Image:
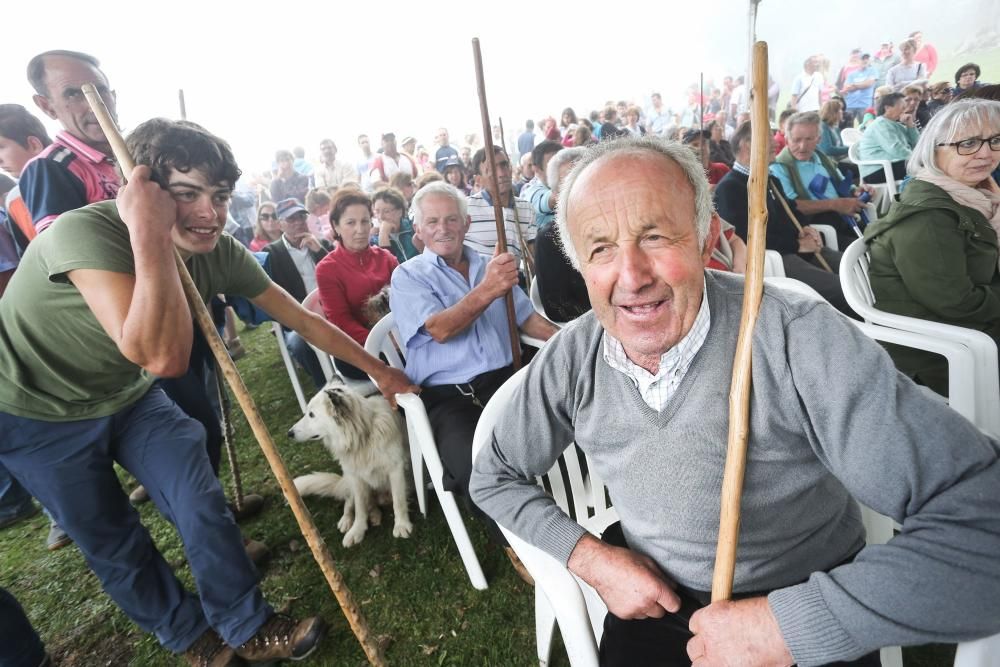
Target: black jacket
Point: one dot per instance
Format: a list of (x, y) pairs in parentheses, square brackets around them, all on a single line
[(731, 196), (283, 270)]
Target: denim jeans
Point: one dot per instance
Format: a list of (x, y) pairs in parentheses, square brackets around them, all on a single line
[(20, 645)]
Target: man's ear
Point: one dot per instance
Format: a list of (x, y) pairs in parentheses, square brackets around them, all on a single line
[(43, 103), (711, 239)]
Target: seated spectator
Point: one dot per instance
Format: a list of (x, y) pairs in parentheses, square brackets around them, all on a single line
[(450, 311), (428, 176), (583, 136), (354, 272), (940, 95), (908, 70), (454, 175), (808, 176), (916, 104), (891, 137), (331, 172), (797, 250), (536, 191), (632, 115), (560, 286), (395, 231), (730, 251), (719, 148), (697, 140), (288, 183), (567, 119), (831, 114), (934, 256), (22, 137), (519, 218), (967, 78), (266, 230), (403, 183), (780, 138), (293, 261), (318, 205), (986, 92)]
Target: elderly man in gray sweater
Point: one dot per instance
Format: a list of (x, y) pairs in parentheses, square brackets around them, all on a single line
[(641, 385)]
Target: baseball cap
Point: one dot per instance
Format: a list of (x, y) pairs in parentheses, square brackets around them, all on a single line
[(289, 207)]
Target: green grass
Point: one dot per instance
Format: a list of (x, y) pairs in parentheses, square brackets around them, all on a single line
[(414, 592)]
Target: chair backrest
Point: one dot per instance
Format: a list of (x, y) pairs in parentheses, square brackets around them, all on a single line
[(536, 299), (850, 135), (384, 340), (773, 266), (854, 279), (312, 303)]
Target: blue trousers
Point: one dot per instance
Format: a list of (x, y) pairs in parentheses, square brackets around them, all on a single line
[(68, 467), (300, 351), (20, 645), (14, 500)]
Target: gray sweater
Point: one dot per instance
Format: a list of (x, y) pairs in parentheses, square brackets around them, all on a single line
[(821, 432)]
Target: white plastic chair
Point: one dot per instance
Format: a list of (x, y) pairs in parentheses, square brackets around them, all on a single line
[(973, 387), (850, 135), (773, 266), (560, 596), (384, 340), (886, 191), (536, 299), (829, 235), (330, 371)]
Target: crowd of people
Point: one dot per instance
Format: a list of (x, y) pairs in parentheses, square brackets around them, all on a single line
[(611, 218)]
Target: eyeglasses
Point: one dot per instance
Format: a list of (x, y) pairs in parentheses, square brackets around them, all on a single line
[(971, 146), (268, 216)]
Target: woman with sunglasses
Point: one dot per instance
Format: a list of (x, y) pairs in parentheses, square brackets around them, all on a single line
[(266, 229), (935, 255)]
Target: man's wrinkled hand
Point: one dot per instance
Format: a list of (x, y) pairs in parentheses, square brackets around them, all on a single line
[(501, 274), (737, 634)]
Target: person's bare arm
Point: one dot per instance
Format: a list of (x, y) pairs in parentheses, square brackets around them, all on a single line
[(281, 306), (537, 326), (631, 585), (146, 315), (501, 276)]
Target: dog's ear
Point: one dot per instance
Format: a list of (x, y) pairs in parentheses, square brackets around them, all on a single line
[(331, 394)]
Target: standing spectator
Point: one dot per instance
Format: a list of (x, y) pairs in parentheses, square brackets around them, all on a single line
[(926, 53), (966, 78), (301, 164), (537, 190), (907, 70), (333, 173), (858, 89), (364, 165), (657, 117), (445, 150), (266, 230), (806, 88), (526, 141), (288, 183), (853, 63), (353, 272), (891, 137), (77, 168), (739, 101), (390, 161), (885, 60), (22, 137), (566, 120), (773, 93)]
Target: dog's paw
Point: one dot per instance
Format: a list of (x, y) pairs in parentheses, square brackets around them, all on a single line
[(375, 517), (345, 523), (353, 536), (402, 529)]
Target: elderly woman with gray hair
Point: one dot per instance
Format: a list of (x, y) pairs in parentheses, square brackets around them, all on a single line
[(935, 255)]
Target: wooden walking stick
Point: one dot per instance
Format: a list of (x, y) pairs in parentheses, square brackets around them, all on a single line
[(201, 315), (739, 391), (228, 437), (515, 341), (791, 216)]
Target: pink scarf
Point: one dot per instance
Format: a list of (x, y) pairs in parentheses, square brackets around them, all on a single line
[(986, 200)]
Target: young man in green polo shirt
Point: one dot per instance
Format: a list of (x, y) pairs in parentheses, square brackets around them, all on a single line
[(94, 315)]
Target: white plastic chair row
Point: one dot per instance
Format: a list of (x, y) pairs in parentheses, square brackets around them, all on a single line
[(850, 135)]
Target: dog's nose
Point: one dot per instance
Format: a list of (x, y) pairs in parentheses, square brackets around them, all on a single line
[(290, 433)]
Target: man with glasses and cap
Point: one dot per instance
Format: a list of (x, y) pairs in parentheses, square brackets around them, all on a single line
[(293, 266)]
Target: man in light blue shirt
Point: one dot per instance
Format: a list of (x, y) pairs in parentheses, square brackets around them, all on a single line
[(537, 191), (452, 319), (859, 88)]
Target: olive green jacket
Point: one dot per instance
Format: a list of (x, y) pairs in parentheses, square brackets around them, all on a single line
[(934, 259)]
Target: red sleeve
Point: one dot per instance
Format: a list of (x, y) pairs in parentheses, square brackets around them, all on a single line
[(333, 298)]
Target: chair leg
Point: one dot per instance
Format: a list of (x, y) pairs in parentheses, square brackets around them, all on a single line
[(417, 468), (545, 621), (461, 537), (891, 656)]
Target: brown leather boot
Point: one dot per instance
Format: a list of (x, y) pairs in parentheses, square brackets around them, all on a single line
[(210, 651), (282, 637)]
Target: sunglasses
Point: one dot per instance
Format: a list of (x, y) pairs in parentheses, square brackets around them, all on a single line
[(268, 216)]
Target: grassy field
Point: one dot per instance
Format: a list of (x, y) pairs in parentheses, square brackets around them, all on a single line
[(414, 592)]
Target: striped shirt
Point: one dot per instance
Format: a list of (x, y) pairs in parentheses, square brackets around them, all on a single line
[(426, 285), (657, 389), (65, 176), (482, 234)]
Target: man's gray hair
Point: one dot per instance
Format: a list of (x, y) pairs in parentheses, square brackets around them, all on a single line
[(959, 120), (803, 118), (672, 151), (558, 160), (438, 188)]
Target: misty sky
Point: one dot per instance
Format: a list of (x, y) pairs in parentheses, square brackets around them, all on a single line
[(287, 73)]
